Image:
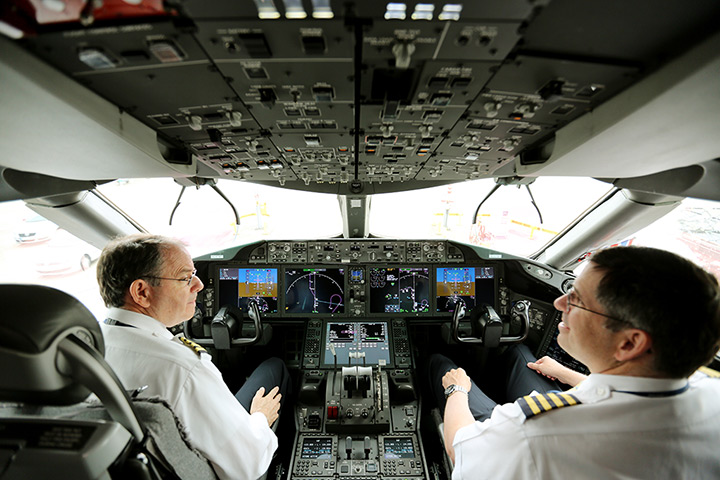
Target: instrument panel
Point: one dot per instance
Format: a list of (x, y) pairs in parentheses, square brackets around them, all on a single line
[(354, 285), (356, 278), (353, 290)]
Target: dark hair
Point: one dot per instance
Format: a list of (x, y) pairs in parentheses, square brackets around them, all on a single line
[(671, 298), (125, 259)]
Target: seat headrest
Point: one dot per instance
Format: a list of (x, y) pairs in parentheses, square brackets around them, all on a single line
[(35, 319)]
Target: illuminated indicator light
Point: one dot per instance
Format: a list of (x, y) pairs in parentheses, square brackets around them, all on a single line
[(294, 10), (450, 11), (289, 149), (266, 9), (423, 11), (395, 11), (321, 9), (96, 59), (166, 51)]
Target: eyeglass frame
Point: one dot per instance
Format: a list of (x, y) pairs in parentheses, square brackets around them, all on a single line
[(569, 304), (187, 280)]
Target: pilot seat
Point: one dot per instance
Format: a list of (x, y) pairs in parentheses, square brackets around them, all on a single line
[(51, 352)]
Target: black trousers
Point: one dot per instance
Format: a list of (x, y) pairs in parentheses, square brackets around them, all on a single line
[(269, 374), (510, 370)]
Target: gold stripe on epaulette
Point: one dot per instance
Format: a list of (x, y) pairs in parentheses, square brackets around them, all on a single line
[(709, 372), (532, 405), (194, 346)]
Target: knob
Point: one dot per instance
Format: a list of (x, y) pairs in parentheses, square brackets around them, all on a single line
[(349, 413)]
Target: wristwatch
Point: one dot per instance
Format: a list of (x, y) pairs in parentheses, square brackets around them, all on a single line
[(454, 388)]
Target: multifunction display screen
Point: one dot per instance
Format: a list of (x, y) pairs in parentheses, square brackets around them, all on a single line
[(317, 448), (356, 343), (315, 290), (237, 286), (399, 447), (399, 290), (474, 285)]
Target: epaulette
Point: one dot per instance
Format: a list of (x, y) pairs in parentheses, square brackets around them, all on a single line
[(194, 346), (532, 405), (709, 372)]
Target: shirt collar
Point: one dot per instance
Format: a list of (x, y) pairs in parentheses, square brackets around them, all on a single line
[(635, 384), (138, 320)]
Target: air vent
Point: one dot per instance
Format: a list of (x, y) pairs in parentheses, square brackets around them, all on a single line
[(313, 44), (255, 44)]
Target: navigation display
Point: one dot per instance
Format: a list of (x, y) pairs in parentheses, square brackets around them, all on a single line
[(237, 286), (474, 285), (356, 343), (399, 290), (315, 290)]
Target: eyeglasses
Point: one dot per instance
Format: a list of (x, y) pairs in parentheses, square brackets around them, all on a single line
[(187, 279), (569, 305)]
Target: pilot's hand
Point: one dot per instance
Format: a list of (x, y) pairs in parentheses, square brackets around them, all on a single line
[(547, 366), (553, 370), (457, 376), (268, 405)]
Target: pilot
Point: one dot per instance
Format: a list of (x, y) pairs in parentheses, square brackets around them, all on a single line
[(148, 283), (643, 321)]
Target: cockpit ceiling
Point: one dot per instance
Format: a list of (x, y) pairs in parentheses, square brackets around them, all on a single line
[(363, 97)]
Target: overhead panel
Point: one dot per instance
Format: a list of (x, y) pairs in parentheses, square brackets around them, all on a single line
[(396, 95)]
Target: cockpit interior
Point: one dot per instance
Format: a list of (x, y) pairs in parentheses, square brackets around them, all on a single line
[(354, 99)]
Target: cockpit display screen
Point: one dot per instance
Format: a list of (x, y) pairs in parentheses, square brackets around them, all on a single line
[(399, 290), (237, 286), (399, 447), (317, 448), (356, 343), (315, 290), (474, 285)]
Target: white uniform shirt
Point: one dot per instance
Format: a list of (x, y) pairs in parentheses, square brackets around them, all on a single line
[(238, 445), (610, 435)]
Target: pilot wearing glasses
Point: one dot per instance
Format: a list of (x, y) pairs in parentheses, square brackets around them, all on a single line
[(643, 321), (148, 283)]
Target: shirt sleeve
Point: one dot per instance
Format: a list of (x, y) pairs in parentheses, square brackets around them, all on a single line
[(494, 449), (239, 445)]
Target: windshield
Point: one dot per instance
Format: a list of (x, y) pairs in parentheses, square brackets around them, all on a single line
[(509, 220), (35, 250), (205, 222)]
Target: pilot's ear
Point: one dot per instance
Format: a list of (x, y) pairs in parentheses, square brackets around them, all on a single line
[(633, 343), (140, 292)]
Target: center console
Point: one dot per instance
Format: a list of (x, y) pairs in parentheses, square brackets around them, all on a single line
[(357, 408)]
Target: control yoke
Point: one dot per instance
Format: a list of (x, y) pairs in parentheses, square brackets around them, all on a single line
[(226, 327), (486, 326)]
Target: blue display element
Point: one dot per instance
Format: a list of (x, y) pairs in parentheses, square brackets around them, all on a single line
[(238, 286), (473, 285)]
